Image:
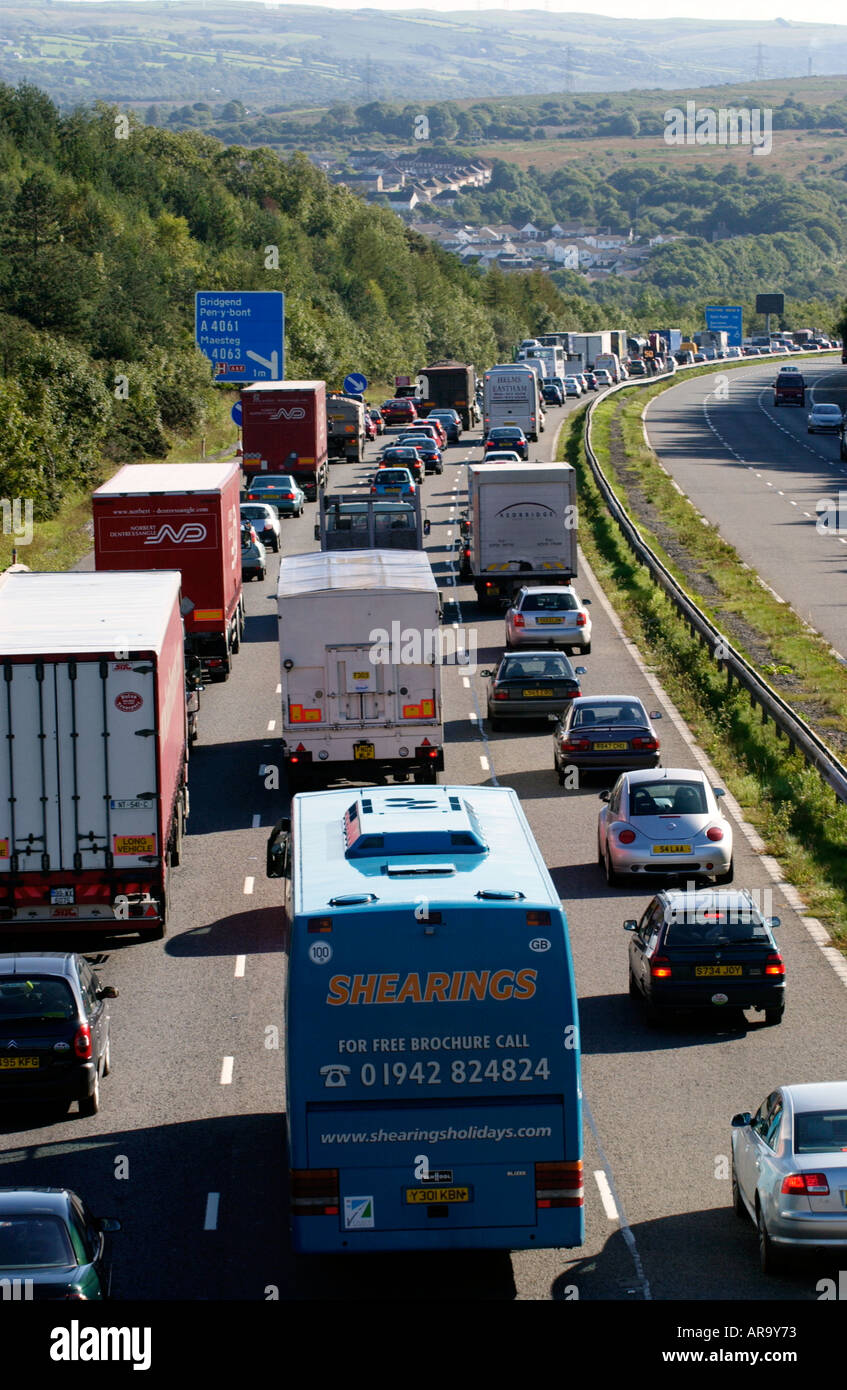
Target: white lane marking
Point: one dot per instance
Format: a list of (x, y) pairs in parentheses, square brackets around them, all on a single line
[(466, 683), (271, 725), (248, 884), (606, 1194), (226, 1071), (240, 966), (473, 716), (257, 820), (279, 690), (210, 1221), (626, 1229), (483, 762)]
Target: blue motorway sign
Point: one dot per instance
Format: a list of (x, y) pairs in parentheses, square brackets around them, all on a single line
[(242, 333), (726, 318), (354, 384), (236, 413)]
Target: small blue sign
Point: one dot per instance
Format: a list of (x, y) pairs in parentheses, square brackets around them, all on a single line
[(242, 333), (726, 318), (236, 413), (354, 384)]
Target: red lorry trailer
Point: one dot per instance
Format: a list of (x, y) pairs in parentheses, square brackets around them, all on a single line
[(181, 516), (283, 430), (93, 750)]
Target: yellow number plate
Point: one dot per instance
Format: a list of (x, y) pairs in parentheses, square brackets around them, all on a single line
[(530, 694), (549, 620), (19, 1063), (420, 1196), (671, 849), (608, 747), (364, 750), (717, 970)]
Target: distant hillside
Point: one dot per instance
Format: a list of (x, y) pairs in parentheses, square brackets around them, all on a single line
[(297, 54)]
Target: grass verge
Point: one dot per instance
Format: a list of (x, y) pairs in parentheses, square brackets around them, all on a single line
[(59, 543), (800, 820)]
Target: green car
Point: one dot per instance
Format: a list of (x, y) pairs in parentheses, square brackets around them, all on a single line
[(51, 1244)]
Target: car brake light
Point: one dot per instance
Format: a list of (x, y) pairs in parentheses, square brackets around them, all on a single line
[(519, 620), (289, 496), (500, 695), (660, 968), (575, 745), (714, 832), (559, 1184), (626, 837), (82, 1042), (774, 964), (648, 744), (813, 1184), (581, 619)]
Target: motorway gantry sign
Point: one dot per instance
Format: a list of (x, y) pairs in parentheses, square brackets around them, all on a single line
[(726, 318), (242, 333)]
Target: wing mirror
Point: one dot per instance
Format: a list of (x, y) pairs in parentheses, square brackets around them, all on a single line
[(279, 844), (742, 1120)]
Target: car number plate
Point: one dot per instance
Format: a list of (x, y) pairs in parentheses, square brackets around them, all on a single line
[(671, 849), (62, 897), (18, 1063), (609, 747), (710, 970), (557, 621), (534, 692), (364, 750), (426, 1196)]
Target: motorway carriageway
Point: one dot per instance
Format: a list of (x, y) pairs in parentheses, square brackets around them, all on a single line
[(188, 1149)]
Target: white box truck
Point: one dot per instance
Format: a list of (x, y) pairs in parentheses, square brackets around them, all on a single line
[(360, 644), (523, 527), (94, 760), (590, 345), (512, 396)]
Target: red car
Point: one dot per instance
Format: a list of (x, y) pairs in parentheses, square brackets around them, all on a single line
[(400, 411)]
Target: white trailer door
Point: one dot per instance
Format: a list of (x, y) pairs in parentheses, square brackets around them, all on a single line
[(359, 686), (80, 765)]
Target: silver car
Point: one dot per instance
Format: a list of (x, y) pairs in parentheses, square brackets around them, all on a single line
[(825, 417), (789, 1170), (551, 614), (664, 820)]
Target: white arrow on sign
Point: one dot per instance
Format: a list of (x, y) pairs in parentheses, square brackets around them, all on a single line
[(272, 362)]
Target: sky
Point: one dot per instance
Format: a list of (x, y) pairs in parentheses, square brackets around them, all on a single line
[(762, 11)]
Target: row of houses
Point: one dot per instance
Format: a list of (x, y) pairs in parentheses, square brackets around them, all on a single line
[(409, 183)]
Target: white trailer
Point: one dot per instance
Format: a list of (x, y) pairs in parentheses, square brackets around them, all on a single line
[(590, 345), (523, 522), (512, 396), (360, 642), (93, 768)]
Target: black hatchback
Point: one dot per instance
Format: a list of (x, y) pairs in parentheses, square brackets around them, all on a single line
[(709, 949), (54, 1029)]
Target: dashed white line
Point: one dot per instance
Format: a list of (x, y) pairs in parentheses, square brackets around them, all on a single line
[(249, 883), (226, 1071), (606, 1197), (279, 690), (210, 1221), (483, 762), (271, 725), (466, 683), (240, 966)]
